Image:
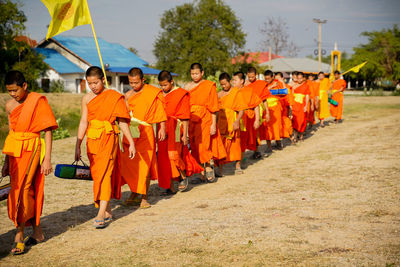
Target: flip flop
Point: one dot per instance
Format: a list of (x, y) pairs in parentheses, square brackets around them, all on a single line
[(18, 246), (132, 202), (108, 219), (145, 206), (239, 171), (183, 185), (210, 176), (99, 226), (256, 155)]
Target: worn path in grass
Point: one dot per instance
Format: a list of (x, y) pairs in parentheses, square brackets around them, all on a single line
[(330, 200)]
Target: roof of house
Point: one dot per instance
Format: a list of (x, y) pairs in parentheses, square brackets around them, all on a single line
[(257, 57), (58, 62), (113, 54), (296, 64)]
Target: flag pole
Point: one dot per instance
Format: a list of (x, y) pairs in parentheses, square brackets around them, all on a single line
[(98, 49)]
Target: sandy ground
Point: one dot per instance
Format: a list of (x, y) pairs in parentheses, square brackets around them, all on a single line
[(333, 199)]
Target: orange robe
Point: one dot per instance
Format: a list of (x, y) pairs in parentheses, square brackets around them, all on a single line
[(299, 116), (102, 142), (23, 146), (286, 103), (337, 111), (147, 106), (230, 104), (204, 102), (274, 125), (250, 136), (169, 153), (314, 87), (323, 109)]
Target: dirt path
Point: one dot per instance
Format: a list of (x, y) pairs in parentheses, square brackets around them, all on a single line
[(332, 200)]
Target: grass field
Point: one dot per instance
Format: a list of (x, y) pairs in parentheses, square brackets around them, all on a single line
[(332, 200)]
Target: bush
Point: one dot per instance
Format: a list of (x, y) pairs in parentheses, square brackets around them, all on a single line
[(60, 132), (57, 86)]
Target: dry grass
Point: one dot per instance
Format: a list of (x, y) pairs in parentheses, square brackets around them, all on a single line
[(330, 200)]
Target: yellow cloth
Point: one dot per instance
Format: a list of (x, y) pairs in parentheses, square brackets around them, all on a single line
[(135, 126), (272, 102), (97, 127), (66, 14), (299, 98), (16, 141)]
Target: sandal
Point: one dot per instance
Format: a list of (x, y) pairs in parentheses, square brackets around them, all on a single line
[(239, 171), (19, 248), (256, 155), (210, 176), (145, 206), (132, 202), (99, 226), (108, 219), (183, 184)]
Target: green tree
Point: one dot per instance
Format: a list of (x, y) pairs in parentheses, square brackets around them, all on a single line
[(382, 51), (206, 31), (13, 54)]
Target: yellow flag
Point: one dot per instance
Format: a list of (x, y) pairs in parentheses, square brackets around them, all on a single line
[(356, 68), (66, 14)]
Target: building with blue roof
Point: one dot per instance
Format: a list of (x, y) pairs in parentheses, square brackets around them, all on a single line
[(69, 58)]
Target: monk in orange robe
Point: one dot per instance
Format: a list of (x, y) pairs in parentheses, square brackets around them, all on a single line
[(322, 104), (204, 137), (286, 103), (28, 115), (301, 96), (233, 101), (313, 86), (253, 135), (169, 154), (274, 125), (146, 105), (101, 109), (338, 87)]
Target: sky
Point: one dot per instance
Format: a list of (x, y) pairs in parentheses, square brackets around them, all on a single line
[(136, 24)]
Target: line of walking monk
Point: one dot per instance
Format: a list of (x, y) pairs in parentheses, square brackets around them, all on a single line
[(167, 134)]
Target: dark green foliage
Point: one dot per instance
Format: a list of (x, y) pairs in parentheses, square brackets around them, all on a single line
[(206, 31)]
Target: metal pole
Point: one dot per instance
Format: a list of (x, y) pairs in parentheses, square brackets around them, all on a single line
[(320, 22)]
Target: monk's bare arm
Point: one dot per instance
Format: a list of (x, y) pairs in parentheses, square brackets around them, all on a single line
[(185, 135), (123, 125), (266, 111), (83, 124), (161, 132), (257, 117), (236, 124), (306, 106), (213, 129), (46, 168)]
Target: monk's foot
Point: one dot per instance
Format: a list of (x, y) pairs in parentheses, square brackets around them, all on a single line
[(18, 248), (144, 204), (210, 175), (99, 223), (108, 217), (183, 184), (238, 171), (133, 200), (256, 155)]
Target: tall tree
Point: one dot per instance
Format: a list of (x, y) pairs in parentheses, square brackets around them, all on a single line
[(13, 54), (276, 36), (382, 53), (206, 31)]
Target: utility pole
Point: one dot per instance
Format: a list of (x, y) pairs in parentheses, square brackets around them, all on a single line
[(320, 22)]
